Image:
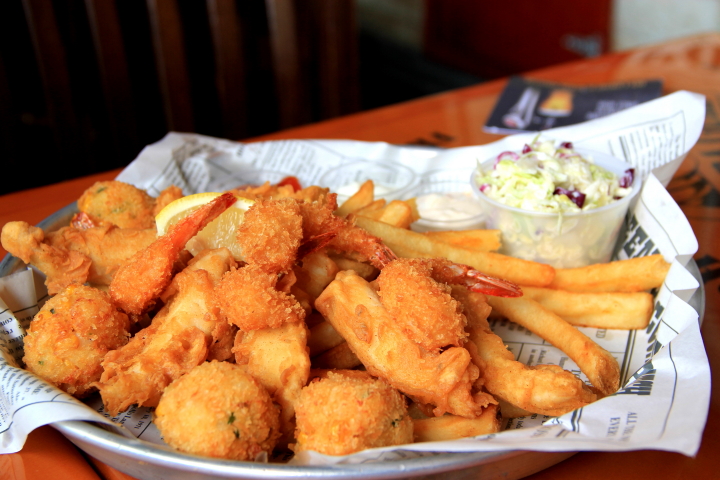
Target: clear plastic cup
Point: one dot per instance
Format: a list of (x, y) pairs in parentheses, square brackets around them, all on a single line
[(447, 202), (563, 240)]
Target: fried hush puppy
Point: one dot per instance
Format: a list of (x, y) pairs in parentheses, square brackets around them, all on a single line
[(70, 335), (118, 203), (124, 205), (217, 410), (342, 414)]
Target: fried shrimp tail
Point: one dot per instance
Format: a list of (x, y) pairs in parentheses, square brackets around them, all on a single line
[(138, 283)]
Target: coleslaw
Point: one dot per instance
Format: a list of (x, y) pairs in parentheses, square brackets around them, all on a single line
[(546, 178)]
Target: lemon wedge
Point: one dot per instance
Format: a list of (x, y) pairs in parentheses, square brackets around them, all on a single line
[(221, 232)]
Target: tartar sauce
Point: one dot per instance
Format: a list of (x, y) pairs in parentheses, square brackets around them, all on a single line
[(448, 206)]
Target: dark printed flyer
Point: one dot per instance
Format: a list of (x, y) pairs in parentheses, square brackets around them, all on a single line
[(531, 105)]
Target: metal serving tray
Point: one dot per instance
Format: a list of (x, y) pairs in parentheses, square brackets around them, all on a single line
[(149, 461)]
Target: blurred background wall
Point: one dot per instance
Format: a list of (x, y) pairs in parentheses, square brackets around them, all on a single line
[(405, 49)]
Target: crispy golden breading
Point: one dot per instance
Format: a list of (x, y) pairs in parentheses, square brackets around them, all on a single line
[(278, 358), (422, 307), (167, 196), (343, 414), (270, 234), (249, 299), (217, 410), (70, 336), (139, 282)]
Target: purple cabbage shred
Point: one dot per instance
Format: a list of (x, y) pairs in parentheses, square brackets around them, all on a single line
[(502, 156), (626, 180), (578, 198)]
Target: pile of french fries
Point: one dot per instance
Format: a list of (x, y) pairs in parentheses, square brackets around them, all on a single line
[(612, 295)]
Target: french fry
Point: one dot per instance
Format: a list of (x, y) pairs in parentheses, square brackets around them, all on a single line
[(595, 362), (322, 338), (362, 198), (632, 275), (522, 272), (397, 213), (372, 209), (623, 310), (365, 270), (413, 207), (340, 357), (316, 272), (479, 239), (451, 427)]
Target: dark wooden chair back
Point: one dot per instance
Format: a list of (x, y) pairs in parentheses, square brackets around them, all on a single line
[(116, 75)]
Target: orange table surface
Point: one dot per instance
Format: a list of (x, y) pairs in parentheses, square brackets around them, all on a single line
[(455, 119)]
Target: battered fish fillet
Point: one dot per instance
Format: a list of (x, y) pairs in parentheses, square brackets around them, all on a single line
[(342, 414), (598, 365), (178, 339), (445, 380), (217, 410), (278, 358), (422, 307), (72, 255), (544, 389), (70, 336)]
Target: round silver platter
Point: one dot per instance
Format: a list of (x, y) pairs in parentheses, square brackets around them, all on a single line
[(149, 461)]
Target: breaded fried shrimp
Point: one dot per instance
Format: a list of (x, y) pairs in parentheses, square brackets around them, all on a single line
[(422, 307), (70, 336), (217, 410), (443, 379), (249, 299), (138, 283), (343, 414), (270, 234)]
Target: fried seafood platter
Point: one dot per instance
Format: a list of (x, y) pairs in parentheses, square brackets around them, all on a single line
[(269, 320)]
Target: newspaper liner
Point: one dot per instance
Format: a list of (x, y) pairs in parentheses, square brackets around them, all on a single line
[(664, 400)]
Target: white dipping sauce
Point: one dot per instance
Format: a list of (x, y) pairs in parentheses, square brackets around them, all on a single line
[(448, 206)]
